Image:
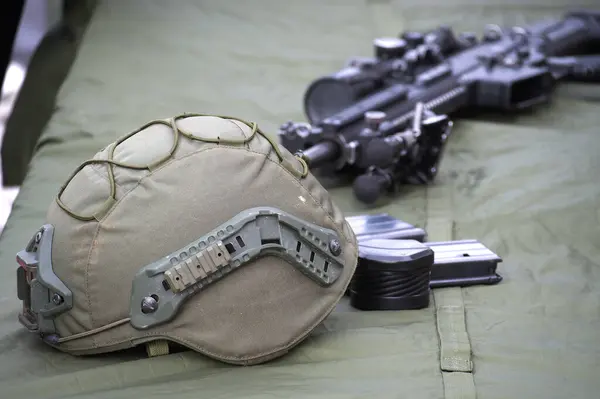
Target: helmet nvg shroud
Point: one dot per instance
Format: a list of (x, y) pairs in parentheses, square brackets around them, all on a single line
[(197, 230)]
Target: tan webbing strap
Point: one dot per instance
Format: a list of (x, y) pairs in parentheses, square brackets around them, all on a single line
[(459, 385), (455, 347)]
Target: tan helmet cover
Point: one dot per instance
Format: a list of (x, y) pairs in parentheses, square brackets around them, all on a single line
[(167, 184)]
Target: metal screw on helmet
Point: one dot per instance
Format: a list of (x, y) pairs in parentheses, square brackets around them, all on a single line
[(149, 305), (335, 247), (38, 237), (57, 299)]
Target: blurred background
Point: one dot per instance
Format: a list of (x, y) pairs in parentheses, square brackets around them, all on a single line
[(25, 26)]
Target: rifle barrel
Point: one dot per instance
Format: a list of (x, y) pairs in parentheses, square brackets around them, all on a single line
[(321, 153)]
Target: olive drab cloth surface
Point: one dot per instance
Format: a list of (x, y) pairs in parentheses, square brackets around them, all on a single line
[(527, 186)]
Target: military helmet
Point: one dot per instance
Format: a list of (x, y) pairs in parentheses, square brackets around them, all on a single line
[(197, 230)]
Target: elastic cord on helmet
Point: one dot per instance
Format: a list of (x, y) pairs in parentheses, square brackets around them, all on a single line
[(172, 123), (93, 331)]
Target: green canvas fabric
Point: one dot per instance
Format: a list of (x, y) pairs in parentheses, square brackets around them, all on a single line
[(527, 186)]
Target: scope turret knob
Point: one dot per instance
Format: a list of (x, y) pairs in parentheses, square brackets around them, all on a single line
[(389, 47), (413, 38), (519, 32), (492, 33), (374, 118)]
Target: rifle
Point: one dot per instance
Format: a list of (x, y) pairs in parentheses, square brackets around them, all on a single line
[(383, 120)]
